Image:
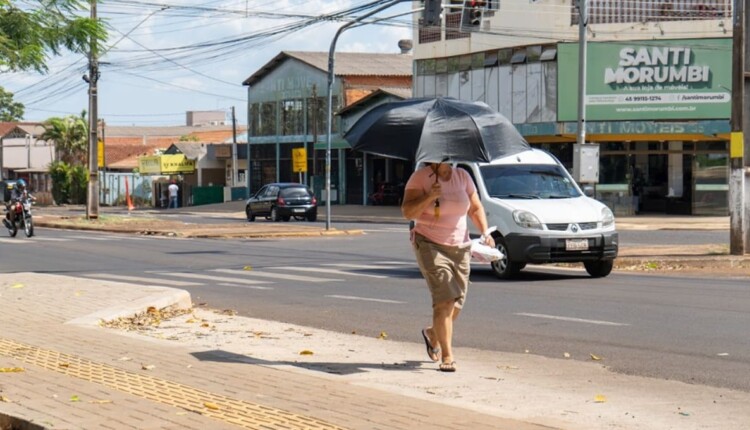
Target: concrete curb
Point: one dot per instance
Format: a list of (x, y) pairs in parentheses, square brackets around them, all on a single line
[(168, 297)]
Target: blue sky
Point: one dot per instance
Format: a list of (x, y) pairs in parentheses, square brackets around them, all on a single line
[(168, 57)]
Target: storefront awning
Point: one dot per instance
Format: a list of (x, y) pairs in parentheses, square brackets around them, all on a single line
[(335, 144), (167, 164)]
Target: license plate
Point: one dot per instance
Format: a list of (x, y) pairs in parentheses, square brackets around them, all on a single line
[(298, 210), (576, 244)]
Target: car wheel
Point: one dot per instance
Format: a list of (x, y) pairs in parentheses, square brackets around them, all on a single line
[(312, 217), (274, 215), (504, 268), (599, 269), (250, 214)]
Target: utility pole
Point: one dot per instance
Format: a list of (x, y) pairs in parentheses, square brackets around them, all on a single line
[(583, 22), (92, 202), (738, 217), (234, 149)]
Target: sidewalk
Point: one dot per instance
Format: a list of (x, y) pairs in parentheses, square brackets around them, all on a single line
[(208, 370)]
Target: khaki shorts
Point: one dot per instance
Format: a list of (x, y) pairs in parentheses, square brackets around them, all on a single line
[(445, 268)]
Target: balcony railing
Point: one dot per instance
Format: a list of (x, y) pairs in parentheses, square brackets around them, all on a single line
[(626, 11)]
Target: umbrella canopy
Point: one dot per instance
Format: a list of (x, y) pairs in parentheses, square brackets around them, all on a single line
[(435, 130)]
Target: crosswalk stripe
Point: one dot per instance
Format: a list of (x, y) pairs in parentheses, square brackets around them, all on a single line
[(284, 276), (213, 278), (367, 299), (141, 280), (334, 271), (364, 266), (252, 287)]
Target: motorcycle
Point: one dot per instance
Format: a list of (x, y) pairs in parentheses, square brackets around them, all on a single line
[(23, 218)]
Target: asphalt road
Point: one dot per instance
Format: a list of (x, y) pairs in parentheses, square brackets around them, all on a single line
[(693, 330)]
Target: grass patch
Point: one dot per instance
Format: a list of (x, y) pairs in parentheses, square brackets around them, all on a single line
[(106, 220)]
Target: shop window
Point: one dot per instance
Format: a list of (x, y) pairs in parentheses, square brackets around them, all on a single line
[(548, 54), (254, 119), (490, 59), (533, 54), (477, 60), (519, 57), (291, 117), (441, 65), (504, 56), (464, 63), (267, 119)]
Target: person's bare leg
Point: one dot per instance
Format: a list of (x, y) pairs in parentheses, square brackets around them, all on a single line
[(432, 335), (442, 324)]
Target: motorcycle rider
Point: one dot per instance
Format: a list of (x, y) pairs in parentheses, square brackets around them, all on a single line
[(17, 195)]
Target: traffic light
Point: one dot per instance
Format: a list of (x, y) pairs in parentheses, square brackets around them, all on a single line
[(472, 13), (432, 10)]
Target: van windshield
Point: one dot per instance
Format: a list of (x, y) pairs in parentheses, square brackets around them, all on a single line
[(528, 181)]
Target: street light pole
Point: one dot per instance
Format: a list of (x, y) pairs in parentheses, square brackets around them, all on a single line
[(331, 53), (583, 22)]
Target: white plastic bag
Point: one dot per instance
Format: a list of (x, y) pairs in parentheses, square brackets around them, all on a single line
[(483, 253)]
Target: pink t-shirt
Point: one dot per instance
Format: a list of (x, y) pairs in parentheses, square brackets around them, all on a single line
[(450, 228)]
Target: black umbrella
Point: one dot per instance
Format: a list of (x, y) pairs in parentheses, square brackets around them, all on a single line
[(434, 130)]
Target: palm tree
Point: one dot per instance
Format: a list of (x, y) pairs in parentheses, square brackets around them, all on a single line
[(70, 135)]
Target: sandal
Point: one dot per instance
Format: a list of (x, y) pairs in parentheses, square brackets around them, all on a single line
[(448, 366), (433, 353)]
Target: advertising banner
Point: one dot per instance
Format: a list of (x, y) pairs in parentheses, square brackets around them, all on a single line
[(165, 164), (648, 80)]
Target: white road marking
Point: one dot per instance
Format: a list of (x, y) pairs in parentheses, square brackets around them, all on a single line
[(284, 276), (554, 317), (251, 287), (334, 271), (364, 266), (144, 281), (49, 239), (88, 238), (367, 299), (213, 278), (17, 240)]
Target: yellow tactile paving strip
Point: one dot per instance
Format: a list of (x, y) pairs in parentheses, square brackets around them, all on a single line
[(244, 414)]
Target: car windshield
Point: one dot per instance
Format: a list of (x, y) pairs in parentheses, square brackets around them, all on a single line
[(294, 192), (528, 181)]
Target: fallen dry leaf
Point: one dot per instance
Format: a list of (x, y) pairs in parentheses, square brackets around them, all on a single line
[(11, 369), (212, 406), (148, 366), (247, 268), (65, 365), (17, 286), (306, 352), (383, 335), (124, 359), (4, 399), (100, 402), (75, 398), (205, 325), (600, 398), (595, 357), (566, 354)]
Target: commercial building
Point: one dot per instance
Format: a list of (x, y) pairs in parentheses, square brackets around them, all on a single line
[(658, 89)]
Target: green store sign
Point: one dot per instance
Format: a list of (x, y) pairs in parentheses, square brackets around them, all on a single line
[(648, 80)]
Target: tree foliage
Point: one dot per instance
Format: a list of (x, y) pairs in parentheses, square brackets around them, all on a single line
[(10, 110), (71, 135), (33, 30)]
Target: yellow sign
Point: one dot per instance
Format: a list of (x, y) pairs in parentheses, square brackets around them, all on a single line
[(299, 160), (165, 164), (736, 145), (100, 153)]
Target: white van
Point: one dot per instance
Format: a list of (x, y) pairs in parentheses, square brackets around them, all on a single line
[(542, 216)]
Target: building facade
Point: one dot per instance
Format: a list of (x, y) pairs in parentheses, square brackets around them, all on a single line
[(658, 88), (288, 110)]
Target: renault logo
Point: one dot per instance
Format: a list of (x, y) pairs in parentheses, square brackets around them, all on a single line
[(574, 228)]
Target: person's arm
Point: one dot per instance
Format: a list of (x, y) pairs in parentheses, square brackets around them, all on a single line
[(479, 218), (417, 201)]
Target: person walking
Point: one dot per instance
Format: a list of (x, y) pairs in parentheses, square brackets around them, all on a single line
[(173, 191), (440, 198)]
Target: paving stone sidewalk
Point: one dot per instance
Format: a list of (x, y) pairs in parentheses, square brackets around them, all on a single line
[(73, 374)]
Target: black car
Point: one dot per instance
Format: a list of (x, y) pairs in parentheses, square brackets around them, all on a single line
[(282, 201)]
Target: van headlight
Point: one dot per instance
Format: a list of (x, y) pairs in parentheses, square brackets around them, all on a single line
[(527, 219), (608, 218)]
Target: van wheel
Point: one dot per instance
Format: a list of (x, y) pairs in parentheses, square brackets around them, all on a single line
[(504, 268), (599, 269)]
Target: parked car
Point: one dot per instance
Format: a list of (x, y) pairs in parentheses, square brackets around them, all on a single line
[(542, 216), (282, 201)]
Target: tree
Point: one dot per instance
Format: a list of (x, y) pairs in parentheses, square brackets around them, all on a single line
[(71, 135), (32, 30), (9, 110)]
